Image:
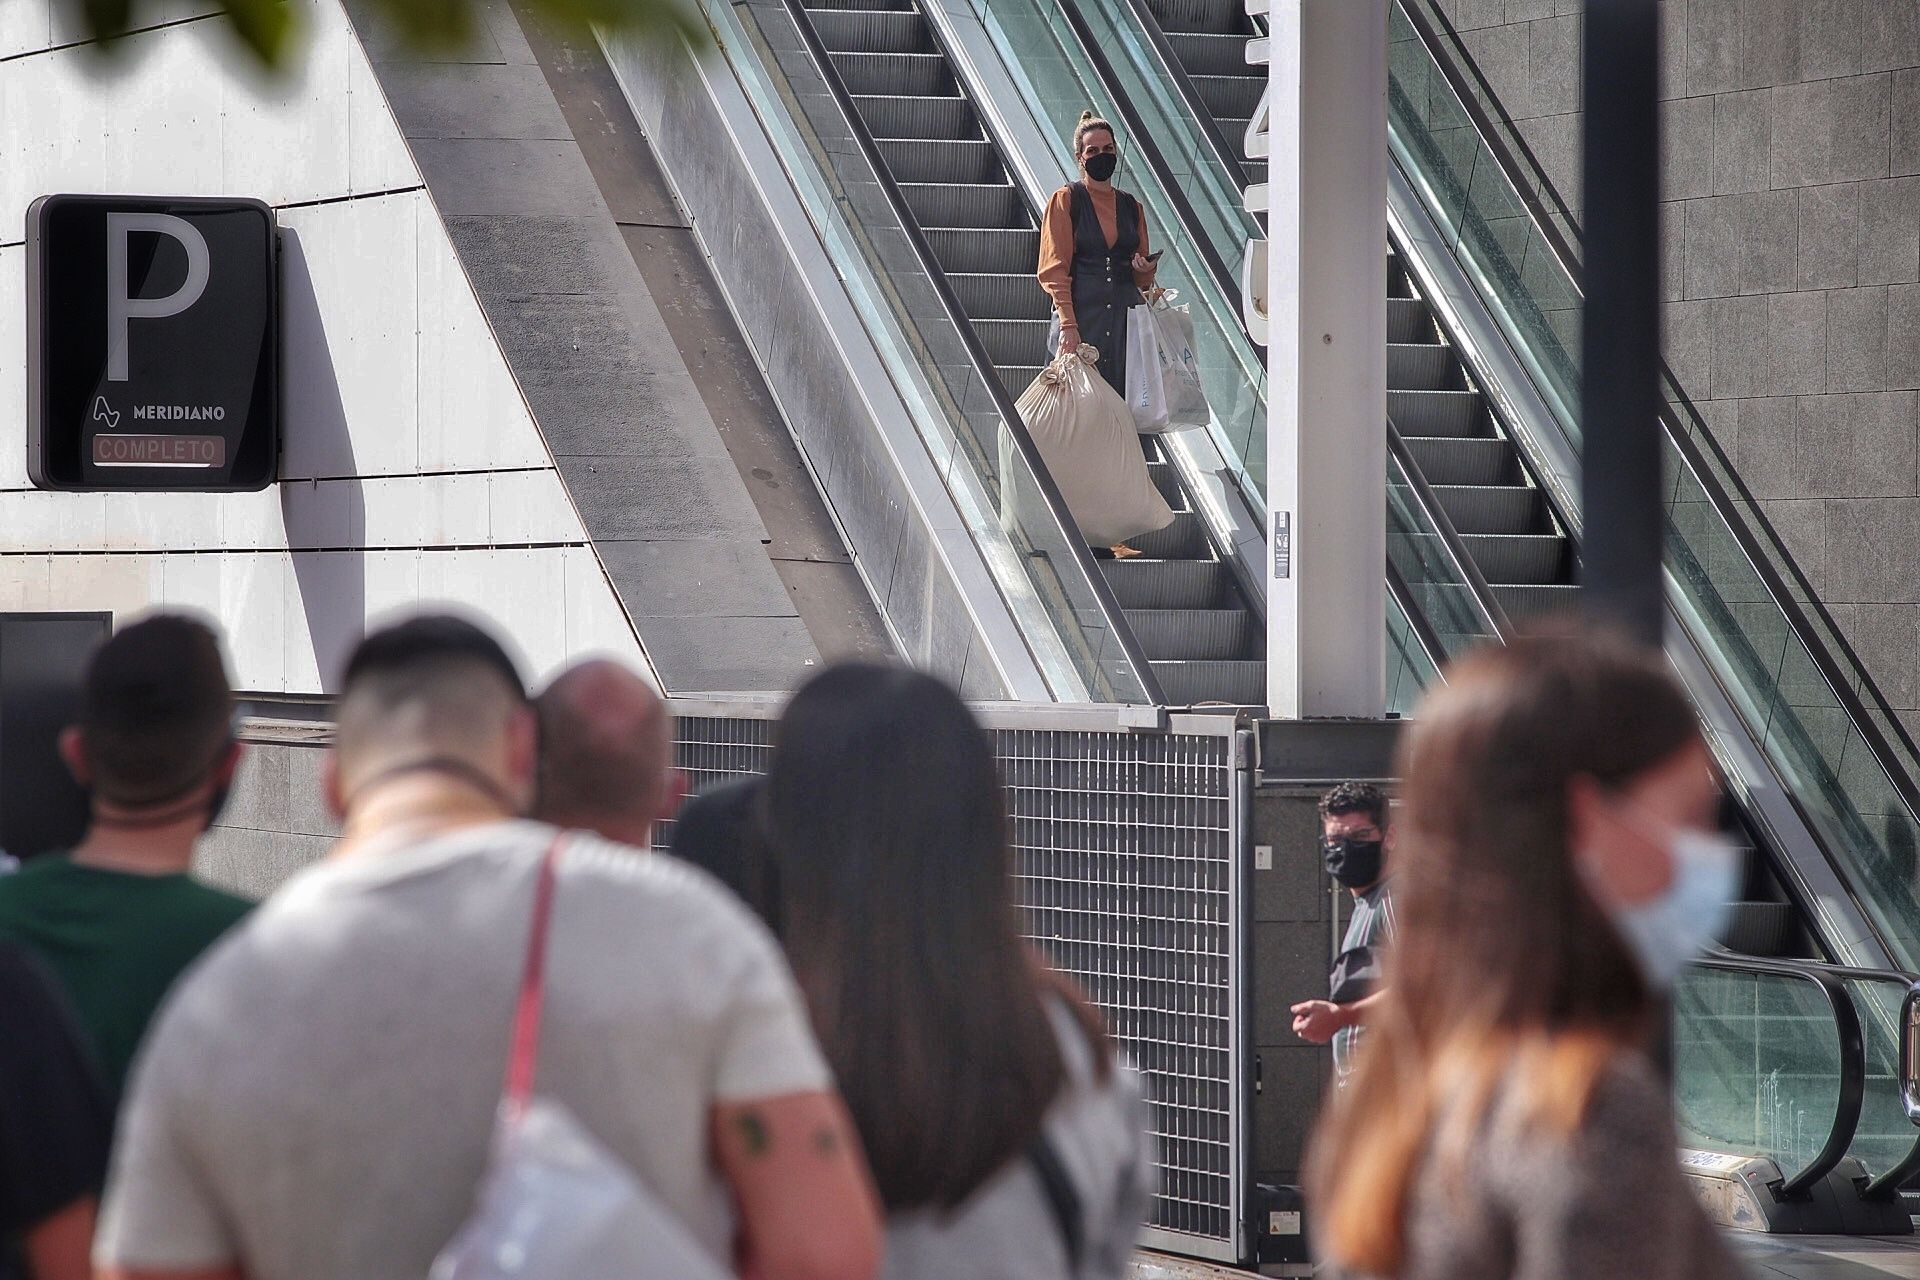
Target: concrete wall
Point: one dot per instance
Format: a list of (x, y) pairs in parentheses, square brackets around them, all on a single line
[(413, 472), (1792, 264)]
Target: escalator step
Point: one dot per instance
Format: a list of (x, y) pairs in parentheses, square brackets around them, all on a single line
[(1017, 377), (1422, 366), (877, 30), (1519, 559), (1759, 929), (1013, 343), (1000, 297), (1408, 320), (936, 119), (1170, 584), (1530, 602), (1465, 459), (992, 250), (1399, 283), (1478, 508), (1233, 96), (1214, 53), (1206, 635), (897, 6), (1184, 539), (896, 74), (1198, 15), (1236, 684), (953, 160), (943, 204), (1167, 481), (1437, 413)]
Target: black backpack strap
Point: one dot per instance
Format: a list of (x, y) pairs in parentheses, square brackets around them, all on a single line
[(1062, 1200)]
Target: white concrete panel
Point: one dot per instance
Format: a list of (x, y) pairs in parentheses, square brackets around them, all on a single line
[(252, 521), (324, 613), (350, 332), (191, 580), (377, 155), (453, 511), (69, 29), (526, 593), (125, 584), (532, 506), (13, 367), (35, 159), (159, 123), (318, 516), (33, 520), (160, 521), (253, 591), (472, 415), (26, 26), (596, 625), (285, 135), (24, 581)]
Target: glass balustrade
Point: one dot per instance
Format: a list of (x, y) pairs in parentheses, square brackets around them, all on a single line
[(1804, 697), (1757, 1064), (955, 405)]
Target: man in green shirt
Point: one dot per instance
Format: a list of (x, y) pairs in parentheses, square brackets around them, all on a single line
[(119, 918)]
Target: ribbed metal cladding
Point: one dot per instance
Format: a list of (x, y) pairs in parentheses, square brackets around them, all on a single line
[(1125, 850)]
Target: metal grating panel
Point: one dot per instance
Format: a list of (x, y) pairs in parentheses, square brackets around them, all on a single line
[(1126, 870)]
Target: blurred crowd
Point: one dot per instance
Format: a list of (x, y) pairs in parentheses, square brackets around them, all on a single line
[(492, 1034)]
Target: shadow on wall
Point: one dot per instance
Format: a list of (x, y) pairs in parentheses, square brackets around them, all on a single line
[(325, 522)]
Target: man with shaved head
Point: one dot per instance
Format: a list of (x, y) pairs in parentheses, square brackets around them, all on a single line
[(606, 753), (316, 1102)]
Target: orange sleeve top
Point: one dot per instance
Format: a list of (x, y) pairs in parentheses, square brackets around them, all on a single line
[(1055, 272)]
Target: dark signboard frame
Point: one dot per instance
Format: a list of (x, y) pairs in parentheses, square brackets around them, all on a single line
[(64, 450), (43, 663)]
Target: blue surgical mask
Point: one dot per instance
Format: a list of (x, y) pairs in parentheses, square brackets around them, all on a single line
[(1667, 931)]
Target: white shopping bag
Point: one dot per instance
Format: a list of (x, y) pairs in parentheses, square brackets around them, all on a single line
[(1146, 386), (1179, 367)]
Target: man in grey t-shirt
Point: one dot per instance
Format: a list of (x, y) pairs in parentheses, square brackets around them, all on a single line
[(1355, 838), (316, 1100)]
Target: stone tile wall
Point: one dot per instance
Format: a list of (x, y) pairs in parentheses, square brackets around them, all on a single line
[(1792, 259)]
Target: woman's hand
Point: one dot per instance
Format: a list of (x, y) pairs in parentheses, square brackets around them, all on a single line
[(1142, 263), (1069, 338)]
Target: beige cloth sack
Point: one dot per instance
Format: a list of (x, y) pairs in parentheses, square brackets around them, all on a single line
[(1085, 434)]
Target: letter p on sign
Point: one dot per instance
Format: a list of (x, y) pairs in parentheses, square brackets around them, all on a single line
[(121, 306)]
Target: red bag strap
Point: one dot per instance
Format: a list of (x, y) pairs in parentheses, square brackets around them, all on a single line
[(524, 1054)]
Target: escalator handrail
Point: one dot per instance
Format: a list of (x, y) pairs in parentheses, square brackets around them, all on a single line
[(1736, 515), (1225, 278), (1853, 1057), (1450, 539), (1176, 72), (984, 367)]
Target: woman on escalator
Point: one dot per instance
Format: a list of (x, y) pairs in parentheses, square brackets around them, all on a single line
[(1094, 260), (1504, 1121)]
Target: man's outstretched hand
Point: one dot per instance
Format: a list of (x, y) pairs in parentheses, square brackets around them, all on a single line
[(1316, 1020)]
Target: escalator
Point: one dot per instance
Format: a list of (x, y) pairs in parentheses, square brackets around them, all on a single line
[(1188, 614), (1788, 1043)]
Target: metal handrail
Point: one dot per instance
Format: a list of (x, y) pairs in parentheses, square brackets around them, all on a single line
[(1853, 1060), (1450, 539), (1684, 443), (1003, 404), (1176, 72)]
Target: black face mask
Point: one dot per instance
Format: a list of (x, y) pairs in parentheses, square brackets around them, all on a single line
[(1101, 167), (1354, 863)]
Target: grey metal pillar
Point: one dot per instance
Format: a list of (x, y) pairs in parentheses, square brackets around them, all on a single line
[(1620, 345)]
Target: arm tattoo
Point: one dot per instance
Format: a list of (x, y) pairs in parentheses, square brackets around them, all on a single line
[(753, 1132)]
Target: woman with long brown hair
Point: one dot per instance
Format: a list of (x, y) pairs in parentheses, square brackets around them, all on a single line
[(1006, 1140), (1559, 866)]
